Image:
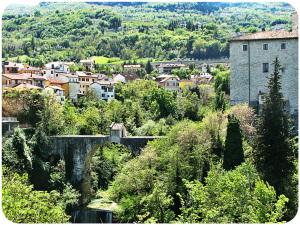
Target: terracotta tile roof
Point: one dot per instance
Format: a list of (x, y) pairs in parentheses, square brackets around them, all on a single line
[(56, 81), (24, 76), (17, 76), (263, 35)]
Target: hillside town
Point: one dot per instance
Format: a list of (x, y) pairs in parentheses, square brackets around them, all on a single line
[(56, 77)]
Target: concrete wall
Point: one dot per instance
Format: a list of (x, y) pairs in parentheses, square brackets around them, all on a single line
[(253, 58)]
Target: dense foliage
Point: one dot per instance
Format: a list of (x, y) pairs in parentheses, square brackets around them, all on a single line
[(56, 31), (22, 204)]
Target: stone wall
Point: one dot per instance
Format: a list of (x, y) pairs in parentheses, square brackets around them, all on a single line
[(77, 151), (239, 80)]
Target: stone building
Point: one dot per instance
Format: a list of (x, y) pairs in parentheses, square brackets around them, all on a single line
[(251, 58)]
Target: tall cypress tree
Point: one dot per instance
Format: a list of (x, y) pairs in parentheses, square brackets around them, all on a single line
[(273, 151), (233, 153)]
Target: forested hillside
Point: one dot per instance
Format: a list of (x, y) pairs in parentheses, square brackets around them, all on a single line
[(56, 31)]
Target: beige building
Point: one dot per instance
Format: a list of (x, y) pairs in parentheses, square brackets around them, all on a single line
[(85, 80), (251, 59)]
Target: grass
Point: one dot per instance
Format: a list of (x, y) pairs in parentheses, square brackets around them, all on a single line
[(116, 60)]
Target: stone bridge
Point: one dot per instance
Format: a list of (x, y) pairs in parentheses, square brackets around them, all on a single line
[(77, 152)]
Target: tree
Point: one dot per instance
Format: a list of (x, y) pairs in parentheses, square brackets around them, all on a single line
[(219, 102), (16, 152), (236, 196), (52, 117), (273, 151), (233, 154), (148, 67), (22, 204)]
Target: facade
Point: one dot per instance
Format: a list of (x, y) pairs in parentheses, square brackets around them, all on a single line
[(251, 59), (63, 85), (168, 82), (88, 64), (202, 78), (104, 89), (57, 91), (85, 80), (73, 86), (119, 78), (167, 68), (117, 131), (11, 67), (13, 80), (132, 68), (58, 67)]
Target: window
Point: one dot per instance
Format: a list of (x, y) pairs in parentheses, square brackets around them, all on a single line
[(83, 79), (51, 71), (282, 69), (265, 46), (265, 67), (245, 48), (93, 80), (283, 45), (103, 95), (79, 79)]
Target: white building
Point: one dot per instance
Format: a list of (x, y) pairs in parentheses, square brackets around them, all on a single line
[(251, 59), (74, 88), (169, 82), (119, 78), (104, 89), (57, 67)]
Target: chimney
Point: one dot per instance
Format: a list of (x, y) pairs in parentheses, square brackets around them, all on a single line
[(294, 21)]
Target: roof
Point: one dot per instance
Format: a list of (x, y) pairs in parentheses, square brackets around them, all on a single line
[(12, 64), (167, 78), (132, 66), (55, 88), (27, 86), (56, 81), (104, 82), (17, 76), (83, 74), (265, 35), (172, 65), (116, 126)]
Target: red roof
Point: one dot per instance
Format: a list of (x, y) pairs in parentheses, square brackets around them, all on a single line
[(23, 76), (56, 81), (16, 76)]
